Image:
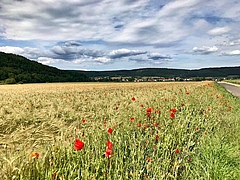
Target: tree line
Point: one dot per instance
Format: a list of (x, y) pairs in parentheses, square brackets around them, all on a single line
[(17, 69)]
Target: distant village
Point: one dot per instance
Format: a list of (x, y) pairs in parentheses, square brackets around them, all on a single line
[(155, 79)]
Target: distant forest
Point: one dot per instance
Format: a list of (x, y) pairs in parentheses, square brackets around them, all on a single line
[(168, 73), (18, 69)]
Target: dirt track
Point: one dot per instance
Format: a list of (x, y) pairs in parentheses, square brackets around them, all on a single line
[(234, 89)]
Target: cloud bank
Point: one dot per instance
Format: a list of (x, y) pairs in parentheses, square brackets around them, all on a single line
[(108, 34)]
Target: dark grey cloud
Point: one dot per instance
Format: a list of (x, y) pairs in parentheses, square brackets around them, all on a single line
[(138, 60), (72, 50), (119, 26), (61, 12)]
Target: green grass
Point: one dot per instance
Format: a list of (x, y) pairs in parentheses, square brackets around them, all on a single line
[(235, 81), (201, 142), (221, 152)]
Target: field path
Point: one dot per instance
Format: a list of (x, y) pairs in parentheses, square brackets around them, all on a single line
[(232, 88)]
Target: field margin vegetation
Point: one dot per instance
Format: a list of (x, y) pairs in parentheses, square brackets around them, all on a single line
[(234, 81)]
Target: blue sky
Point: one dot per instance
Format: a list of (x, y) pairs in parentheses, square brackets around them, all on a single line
[(122, 34)]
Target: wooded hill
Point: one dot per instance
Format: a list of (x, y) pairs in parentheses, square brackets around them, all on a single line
[(168, 73), (18, 69)]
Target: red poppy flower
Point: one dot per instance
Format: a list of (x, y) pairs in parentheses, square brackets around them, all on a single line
[(108, 152), (173, 110), (157, 111), (133, 98), (146, 126), (104, 123), (110, 130), (34, 155), (54, 175), (183, 104), (83, 120), (177, 151), (172, 115), (109, 144), (149, 110), (132, 119), (78, 145), (187, 92), (139, 124), (155, 124)]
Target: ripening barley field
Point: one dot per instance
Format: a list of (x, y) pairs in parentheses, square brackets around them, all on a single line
[(187, 130)]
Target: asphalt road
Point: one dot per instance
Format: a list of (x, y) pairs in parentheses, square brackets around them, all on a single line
[(234, 89)]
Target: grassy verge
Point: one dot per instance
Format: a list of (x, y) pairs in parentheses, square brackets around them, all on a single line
[(219, 157), (235, 81)]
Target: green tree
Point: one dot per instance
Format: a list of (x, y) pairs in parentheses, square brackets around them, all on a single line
[(10, 81)]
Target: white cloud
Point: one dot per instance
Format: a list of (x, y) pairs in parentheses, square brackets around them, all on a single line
[(65, 20), (92, 60), (79, 61), (102, 60), (120, 53), (31, 53), (219, 31), (11, 49), (46, 60), (231, 43), (205, 50), (55, 20), (109, 32), (58, 50), (126, 21), (158, 56), (179, 8), (232, 10), (232, 53), (163, 28)]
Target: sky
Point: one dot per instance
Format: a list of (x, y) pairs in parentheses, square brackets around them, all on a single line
[(122, 34)]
